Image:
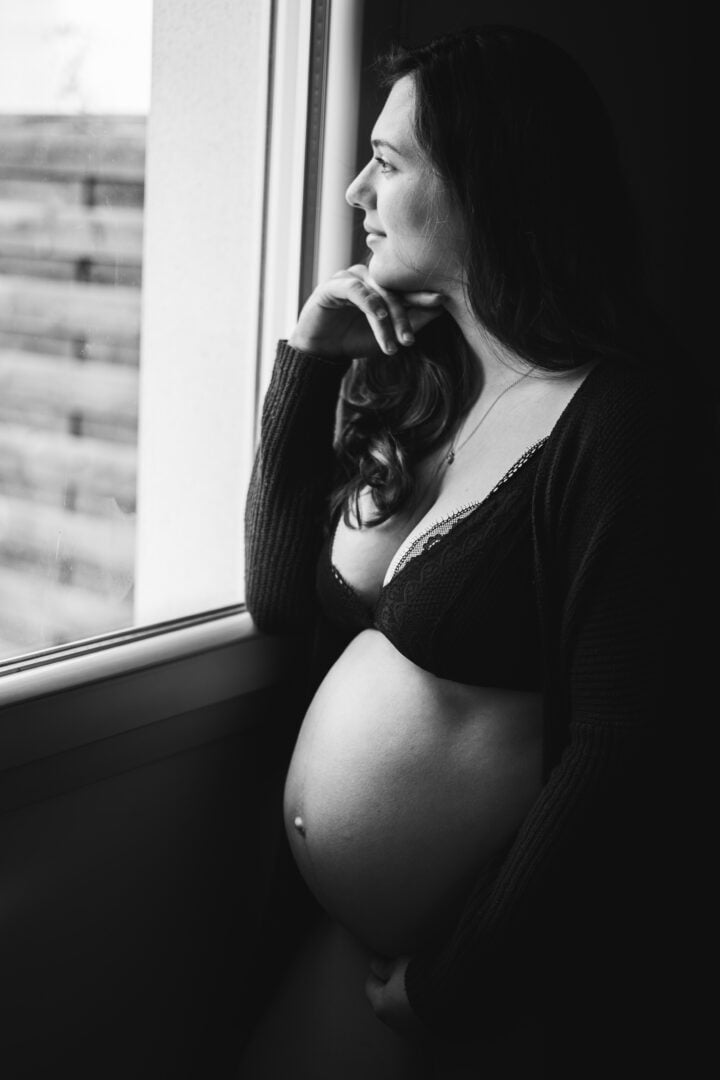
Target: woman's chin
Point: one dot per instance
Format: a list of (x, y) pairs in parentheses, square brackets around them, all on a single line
[(396, 279)]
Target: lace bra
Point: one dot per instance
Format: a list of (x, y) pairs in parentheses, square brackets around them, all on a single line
[(460, 601)]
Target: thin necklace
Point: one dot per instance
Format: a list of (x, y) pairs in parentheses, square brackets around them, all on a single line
[(455, 447)]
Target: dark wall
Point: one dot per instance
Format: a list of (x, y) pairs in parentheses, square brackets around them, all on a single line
[(636, 52), (134, 878)]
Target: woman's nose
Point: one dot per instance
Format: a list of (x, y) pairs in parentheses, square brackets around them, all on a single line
[(359, 193)]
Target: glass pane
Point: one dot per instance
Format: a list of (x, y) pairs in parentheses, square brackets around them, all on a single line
[(74, 100)]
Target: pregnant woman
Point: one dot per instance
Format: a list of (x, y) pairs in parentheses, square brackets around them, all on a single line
[(462, 488)]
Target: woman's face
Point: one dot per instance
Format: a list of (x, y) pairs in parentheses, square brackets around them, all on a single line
[(414, 231)]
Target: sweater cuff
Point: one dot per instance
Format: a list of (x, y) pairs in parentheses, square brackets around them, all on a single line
[(309, 364)]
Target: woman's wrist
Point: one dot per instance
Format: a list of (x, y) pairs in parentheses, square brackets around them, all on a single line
[(303, 345), (300, 344)]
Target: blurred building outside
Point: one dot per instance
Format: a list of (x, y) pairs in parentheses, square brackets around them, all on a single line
[(72, 161)]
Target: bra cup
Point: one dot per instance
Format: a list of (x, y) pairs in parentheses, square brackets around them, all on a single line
[(461, 603), (465, 608)]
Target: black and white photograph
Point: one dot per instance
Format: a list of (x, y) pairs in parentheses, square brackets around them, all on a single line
[(359, 456)]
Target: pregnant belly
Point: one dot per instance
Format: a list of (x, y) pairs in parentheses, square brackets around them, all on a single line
[(401, 785)]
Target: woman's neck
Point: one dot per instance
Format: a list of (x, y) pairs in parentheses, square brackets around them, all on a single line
[(496, 364)]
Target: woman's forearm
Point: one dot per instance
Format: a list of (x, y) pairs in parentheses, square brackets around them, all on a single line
[(288, 492)]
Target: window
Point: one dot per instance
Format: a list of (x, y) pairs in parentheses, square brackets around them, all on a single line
[(74, 97), (234, 185)]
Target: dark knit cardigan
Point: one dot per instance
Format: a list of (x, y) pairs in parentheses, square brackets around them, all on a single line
[(580, 900)]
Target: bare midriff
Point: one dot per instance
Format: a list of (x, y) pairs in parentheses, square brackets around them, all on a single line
[(401, 786)]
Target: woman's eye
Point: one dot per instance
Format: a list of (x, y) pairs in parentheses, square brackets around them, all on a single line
[(385, 166)]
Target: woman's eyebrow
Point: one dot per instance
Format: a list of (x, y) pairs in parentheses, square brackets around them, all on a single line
[(375, 143)]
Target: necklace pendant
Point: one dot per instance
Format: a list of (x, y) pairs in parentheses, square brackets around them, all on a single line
[(450, 457)]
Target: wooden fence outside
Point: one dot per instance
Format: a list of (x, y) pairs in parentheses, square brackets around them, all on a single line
[(71, 219)]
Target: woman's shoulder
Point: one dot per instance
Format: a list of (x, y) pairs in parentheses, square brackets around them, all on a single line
[(655, 385), (629, 425), (628, 402), (614, 385)]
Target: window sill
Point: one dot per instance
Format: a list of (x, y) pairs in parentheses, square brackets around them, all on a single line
[(63, 698)]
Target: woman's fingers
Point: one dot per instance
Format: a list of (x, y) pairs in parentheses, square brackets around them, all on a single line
[(407, 320), (398, 310), (385, 990), (409, 312), (393, 318), (420, 317), (423, 299), (377, 311)]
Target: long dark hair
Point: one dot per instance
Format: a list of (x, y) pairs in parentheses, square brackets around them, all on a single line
[(521, 138)]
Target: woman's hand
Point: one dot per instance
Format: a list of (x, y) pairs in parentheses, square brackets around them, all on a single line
[(351, 315), (385, 989)]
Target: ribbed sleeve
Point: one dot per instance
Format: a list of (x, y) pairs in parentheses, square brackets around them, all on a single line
[(288, 491)]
